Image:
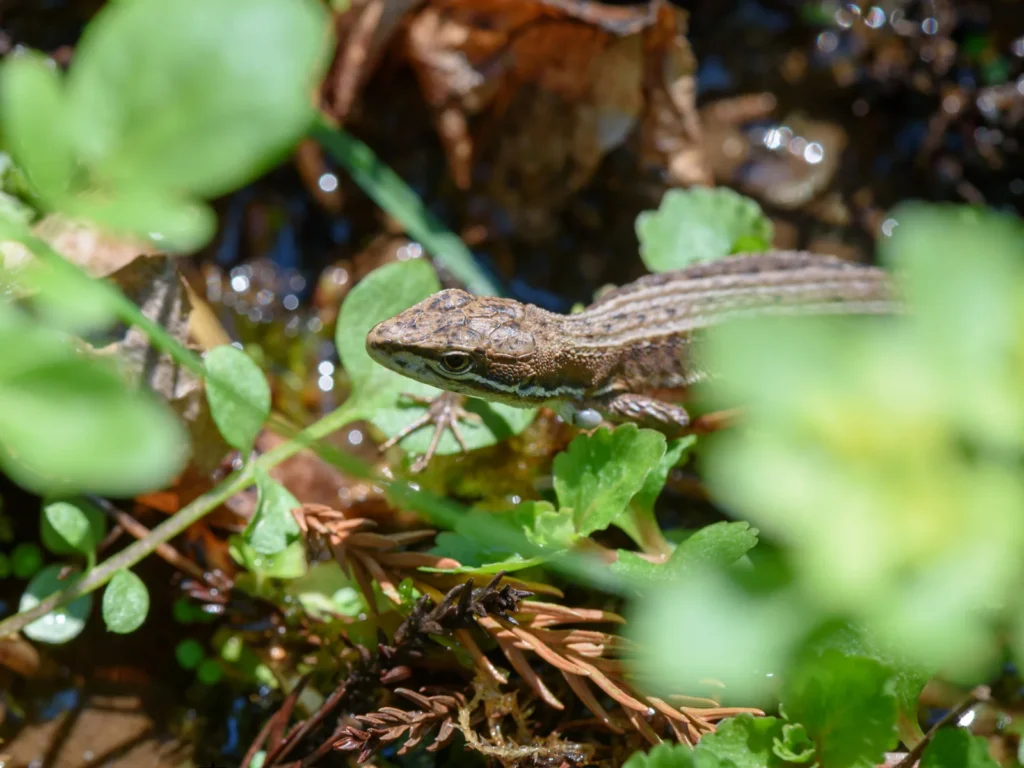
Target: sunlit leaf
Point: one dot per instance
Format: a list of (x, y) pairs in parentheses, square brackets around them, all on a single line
[(848, 706), (239, 395), (599, 473), (745, 740), (289, 563), (665, 755), (125, 603), (700, 224), (71, 527), (61, 624), (273, 527)]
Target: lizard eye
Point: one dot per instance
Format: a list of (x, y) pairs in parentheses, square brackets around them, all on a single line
[(456, 362)]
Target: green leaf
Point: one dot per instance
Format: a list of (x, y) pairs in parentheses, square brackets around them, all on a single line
[(71, 527), (26, 560), (546, 527), (957, 748), (125, 603), (273, 527), (716, 546), (745, 740), (676, 451), (61, 624), (848, 706), (599, 473), (665, 755), (195, 96), (909, 679), (69, 424), (34, 122), (795, 746), (239, 396), (290, 563), (381, 295), (700, 224)]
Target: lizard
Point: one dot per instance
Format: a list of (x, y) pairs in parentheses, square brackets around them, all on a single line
[(628, 357)]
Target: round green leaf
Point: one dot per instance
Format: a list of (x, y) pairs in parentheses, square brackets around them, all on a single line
[(383, 294), (239, 395), (26, 560), (62, 624), (700, 224), (69, 528), (273, 526), (189, 653), (34, 119), (125, 603), (195, 96)]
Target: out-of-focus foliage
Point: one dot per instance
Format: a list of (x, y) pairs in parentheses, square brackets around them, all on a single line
[(158, 111), (883, 456)]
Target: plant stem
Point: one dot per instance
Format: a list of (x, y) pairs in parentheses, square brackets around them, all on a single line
[(176, 524)]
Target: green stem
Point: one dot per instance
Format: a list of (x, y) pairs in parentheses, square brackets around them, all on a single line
[(191, 513), (390, 192)]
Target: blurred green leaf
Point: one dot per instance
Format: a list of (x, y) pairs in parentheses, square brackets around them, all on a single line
[(35, 124), (170, 221), (899, 502), (273, 527), (26, 560), (61, 624), (71, 527), (598, 474), (847, 705), (69, 301), (239, 396), (700, 224), (742, 640), (379, 296), (195, 96), (957, 748), (745, 740), (70, 424), (189, 653), (125, 603)]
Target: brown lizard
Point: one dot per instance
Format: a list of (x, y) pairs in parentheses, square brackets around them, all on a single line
[(629, 356)]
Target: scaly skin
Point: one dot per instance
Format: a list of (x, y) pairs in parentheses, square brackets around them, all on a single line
[(625, 357)]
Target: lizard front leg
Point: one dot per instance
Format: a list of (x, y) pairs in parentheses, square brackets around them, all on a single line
[(443, 411)]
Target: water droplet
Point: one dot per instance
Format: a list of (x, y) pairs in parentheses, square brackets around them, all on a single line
[(328, 182)]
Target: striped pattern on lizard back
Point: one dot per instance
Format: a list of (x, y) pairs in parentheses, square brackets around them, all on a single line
[(638, 337)]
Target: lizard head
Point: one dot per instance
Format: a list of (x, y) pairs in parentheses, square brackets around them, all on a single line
[(453, 340)]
